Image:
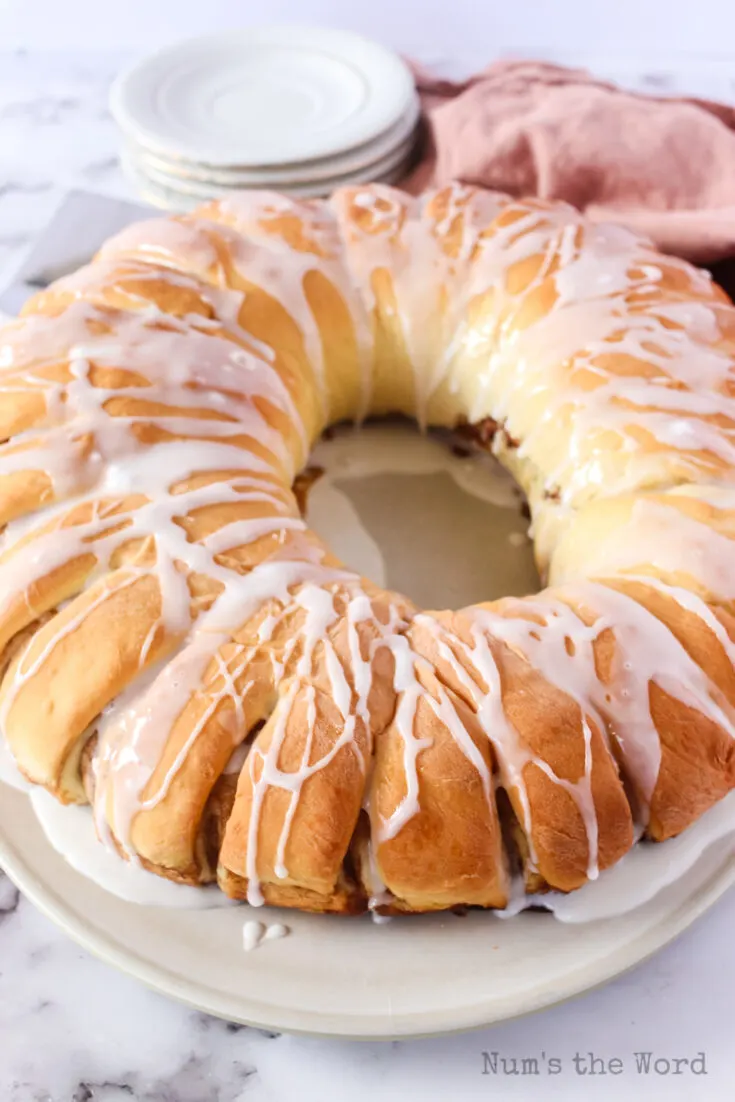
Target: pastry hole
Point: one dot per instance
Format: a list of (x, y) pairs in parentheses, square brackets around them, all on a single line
[(510, 829), (350, 876), (87, 765), (638, 808), (239, 755), (218, 807), (217, 811), (516, 845), (358, 867), (21, 640), (71, 784)]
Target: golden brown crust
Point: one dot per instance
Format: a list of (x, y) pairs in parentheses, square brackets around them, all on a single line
[(697, 766), (328, 805), (307, 770), (540, 741), (156, 406), (449, 852), (45, 718)]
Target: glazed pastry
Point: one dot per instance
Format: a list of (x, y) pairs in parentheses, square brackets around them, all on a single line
[(184, 654)]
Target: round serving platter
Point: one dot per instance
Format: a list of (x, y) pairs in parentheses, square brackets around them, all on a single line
[(369, 159), (387, 170), (386, 489), (350, 977), (162, 192)]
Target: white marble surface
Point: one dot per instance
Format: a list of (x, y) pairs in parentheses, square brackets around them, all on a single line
[(73, 1030)]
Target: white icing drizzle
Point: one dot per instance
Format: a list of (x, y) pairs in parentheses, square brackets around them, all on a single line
[(259, 251), (150, 419), (646, 652), (659, 534), (264, 769), (410, 691)]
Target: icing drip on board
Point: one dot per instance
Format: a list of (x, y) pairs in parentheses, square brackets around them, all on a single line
[(644, 872), (70, 830), (255, 933)]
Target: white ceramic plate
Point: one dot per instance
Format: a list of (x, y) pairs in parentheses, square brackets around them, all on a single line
[(160, 171), (345, 976), (263, 96), (396, 142), (162, 192), (205, 189), (388, 489)]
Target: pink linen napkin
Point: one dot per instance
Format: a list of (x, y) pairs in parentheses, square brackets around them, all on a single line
[(665, 166)]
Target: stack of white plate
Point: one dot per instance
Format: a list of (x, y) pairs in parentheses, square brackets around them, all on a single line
[(299, 110)]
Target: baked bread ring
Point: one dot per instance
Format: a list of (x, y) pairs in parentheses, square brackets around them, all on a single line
[(182, 652)]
